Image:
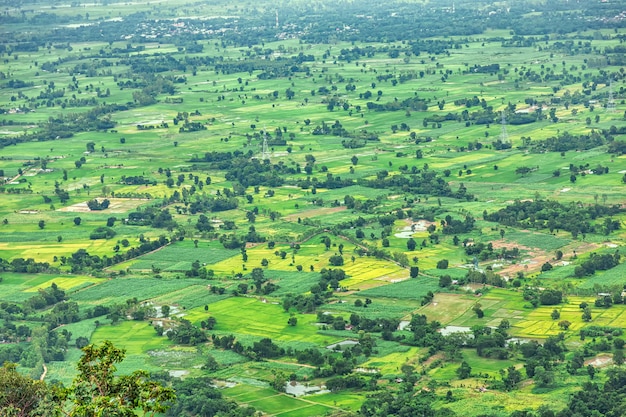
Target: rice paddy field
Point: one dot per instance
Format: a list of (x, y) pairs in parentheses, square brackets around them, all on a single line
[(388, 166)]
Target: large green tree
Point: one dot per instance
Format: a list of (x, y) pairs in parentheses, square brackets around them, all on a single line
[(98, 391), (20, 396)]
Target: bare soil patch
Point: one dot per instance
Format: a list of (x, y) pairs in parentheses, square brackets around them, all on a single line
[(314, 213), (116, 205), (600, 361)]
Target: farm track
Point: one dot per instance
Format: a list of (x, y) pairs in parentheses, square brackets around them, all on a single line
[(85, 288), (300, 399), (302, 365)]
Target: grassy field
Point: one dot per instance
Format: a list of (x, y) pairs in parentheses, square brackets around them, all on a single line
[(269, 320), (428, 166)]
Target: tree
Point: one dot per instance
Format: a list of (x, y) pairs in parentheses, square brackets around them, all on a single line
[(280, 381), (543, 377), (258, 276), (414, 271), (98, 391), (336, 260), (165, 311), (478, 310), (77, 221), (81, 342), (211, 364), (292, 321), (354, 159), (555, 314), (19, 395), (591, 371), (577, 362), (511, 378), (411, 244), (42, 224), (445, 281), (586, 314), (464, 371), (550, 297), (210, 323), (442, 264)]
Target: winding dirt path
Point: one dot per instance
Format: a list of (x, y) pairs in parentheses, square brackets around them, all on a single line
[(45, 371)]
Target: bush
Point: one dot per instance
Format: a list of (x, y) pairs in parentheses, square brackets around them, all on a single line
[(336, 260), (102, 232), (442, 264)]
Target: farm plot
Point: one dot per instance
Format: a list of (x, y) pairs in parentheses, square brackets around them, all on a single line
[(544, 241), (120, 289), (413, 289), (495, 309), (136, 337), (344, 400), (116, 205), (67, 283), (251, 316), (292, 282), (283, 405), (379, 308), (180, 255), (538, 323), (369, 272), (189, 297), (264, 371), (273, 403), (614, 277), (447, 307), (391, 363), (19, 287)]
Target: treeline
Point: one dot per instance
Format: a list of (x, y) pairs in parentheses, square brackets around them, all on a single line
[(151, 216), (81, 260), (597, 262), (427, 182), (67, 125), (270, 68), (411, 104), (29, 266), (206, 203), (244, 169), (552, 215), (568, 142), (200, 397)]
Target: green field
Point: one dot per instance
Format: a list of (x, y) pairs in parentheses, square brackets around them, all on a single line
[(181, 172)]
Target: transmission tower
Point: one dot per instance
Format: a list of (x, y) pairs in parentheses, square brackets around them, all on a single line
[(504, 136), (265, 153), (610, 104)]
